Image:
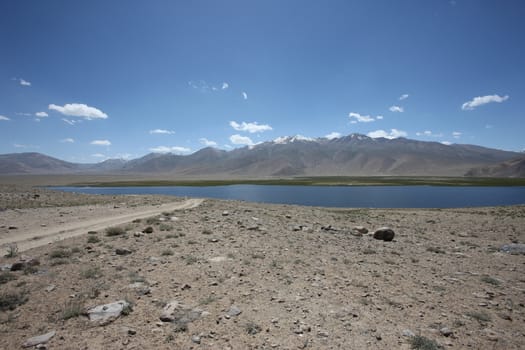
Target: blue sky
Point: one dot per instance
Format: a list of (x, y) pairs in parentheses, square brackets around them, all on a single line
[(85, 81)]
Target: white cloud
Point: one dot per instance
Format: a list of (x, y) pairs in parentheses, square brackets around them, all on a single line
[(446, 143), (24, 82), (456, 134), (98, 155), (68, 140), (393, 134), (101, 142), (333, 135), (241, 140), (207, 142), (358, 118), (244, 95), (41, 114), (428, 133), (162, 131), (3, 117), (396, 109), (250, 127), (482, 100), (225, 86), (174, 149), (379, 117), (79, 110), (403, 97)]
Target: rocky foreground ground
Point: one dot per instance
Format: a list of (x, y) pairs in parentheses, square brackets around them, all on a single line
[(237, 275)]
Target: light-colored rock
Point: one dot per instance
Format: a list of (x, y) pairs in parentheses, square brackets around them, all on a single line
[(104, 314), (40, 339), (233, 311)]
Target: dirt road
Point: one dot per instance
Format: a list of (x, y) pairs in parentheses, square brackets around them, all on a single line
[(37, 238)]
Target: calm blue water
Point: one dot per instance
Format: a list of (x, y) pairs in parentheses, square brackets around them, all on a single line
[(337, 196)]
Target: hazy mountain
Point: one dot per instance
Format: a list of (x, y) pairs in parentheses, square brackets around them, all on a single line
[(352, 155), (511, 168)]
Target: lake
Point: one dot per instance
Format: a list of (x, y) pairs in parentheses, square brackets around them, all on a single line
[(337, 196)]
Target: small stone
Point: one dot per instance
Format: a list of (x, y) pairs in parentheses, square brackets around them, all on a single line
[(385, 234), (50, 288), (13, 228), (132, 331), (196, 339), (122, 251), (322, 334), (148, 229), (41, 339), (233, 311), (360, 229), (18, 266), (408, 333), (513, 248), (138, 234), (446, 332), (225, 213)]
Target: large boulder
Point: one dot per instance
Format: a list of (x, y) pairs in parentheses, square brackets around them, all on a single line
[(385, 234)]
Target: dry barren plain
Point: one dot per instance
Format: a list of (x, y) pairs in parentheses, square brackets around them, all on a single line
[(213, 274)]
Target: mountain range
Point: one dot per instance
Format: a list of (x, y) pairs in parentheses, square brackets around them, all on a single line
[(352, 155)]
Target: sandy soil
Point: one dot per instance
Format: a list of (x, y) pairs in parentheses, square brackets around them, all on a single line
[(300, 276)]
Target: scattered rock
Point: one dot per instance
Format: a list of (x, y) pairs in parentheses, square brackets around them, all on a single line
[(385, 234), (107, 313), (13, 228), (408, 333), (148, 229), (233, 311), (180, 314), (122, 251), (360, 229), (22, 264), (41, 339), (138, 234), (513, 248), (446, 332), (50, 288), (140, 288), (196, 339), (225, 213)]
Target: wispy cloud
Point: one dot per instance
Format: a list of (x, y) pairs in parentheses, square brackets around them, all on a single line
[(483, 100), (204, 86), (79, 110), (173, 149), (207, 143), (403, 97), (333, 135), (250, 127), (18, 145), (162, 131), (428, 133), (70, 121), (41, 114), (244, 95), (358, 118), (67, 140), (24, 82), (3, 117), (393, 134), (456, 134), (395, 108), (446, 143), (101, 142), (241, 140), (99, 155)]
